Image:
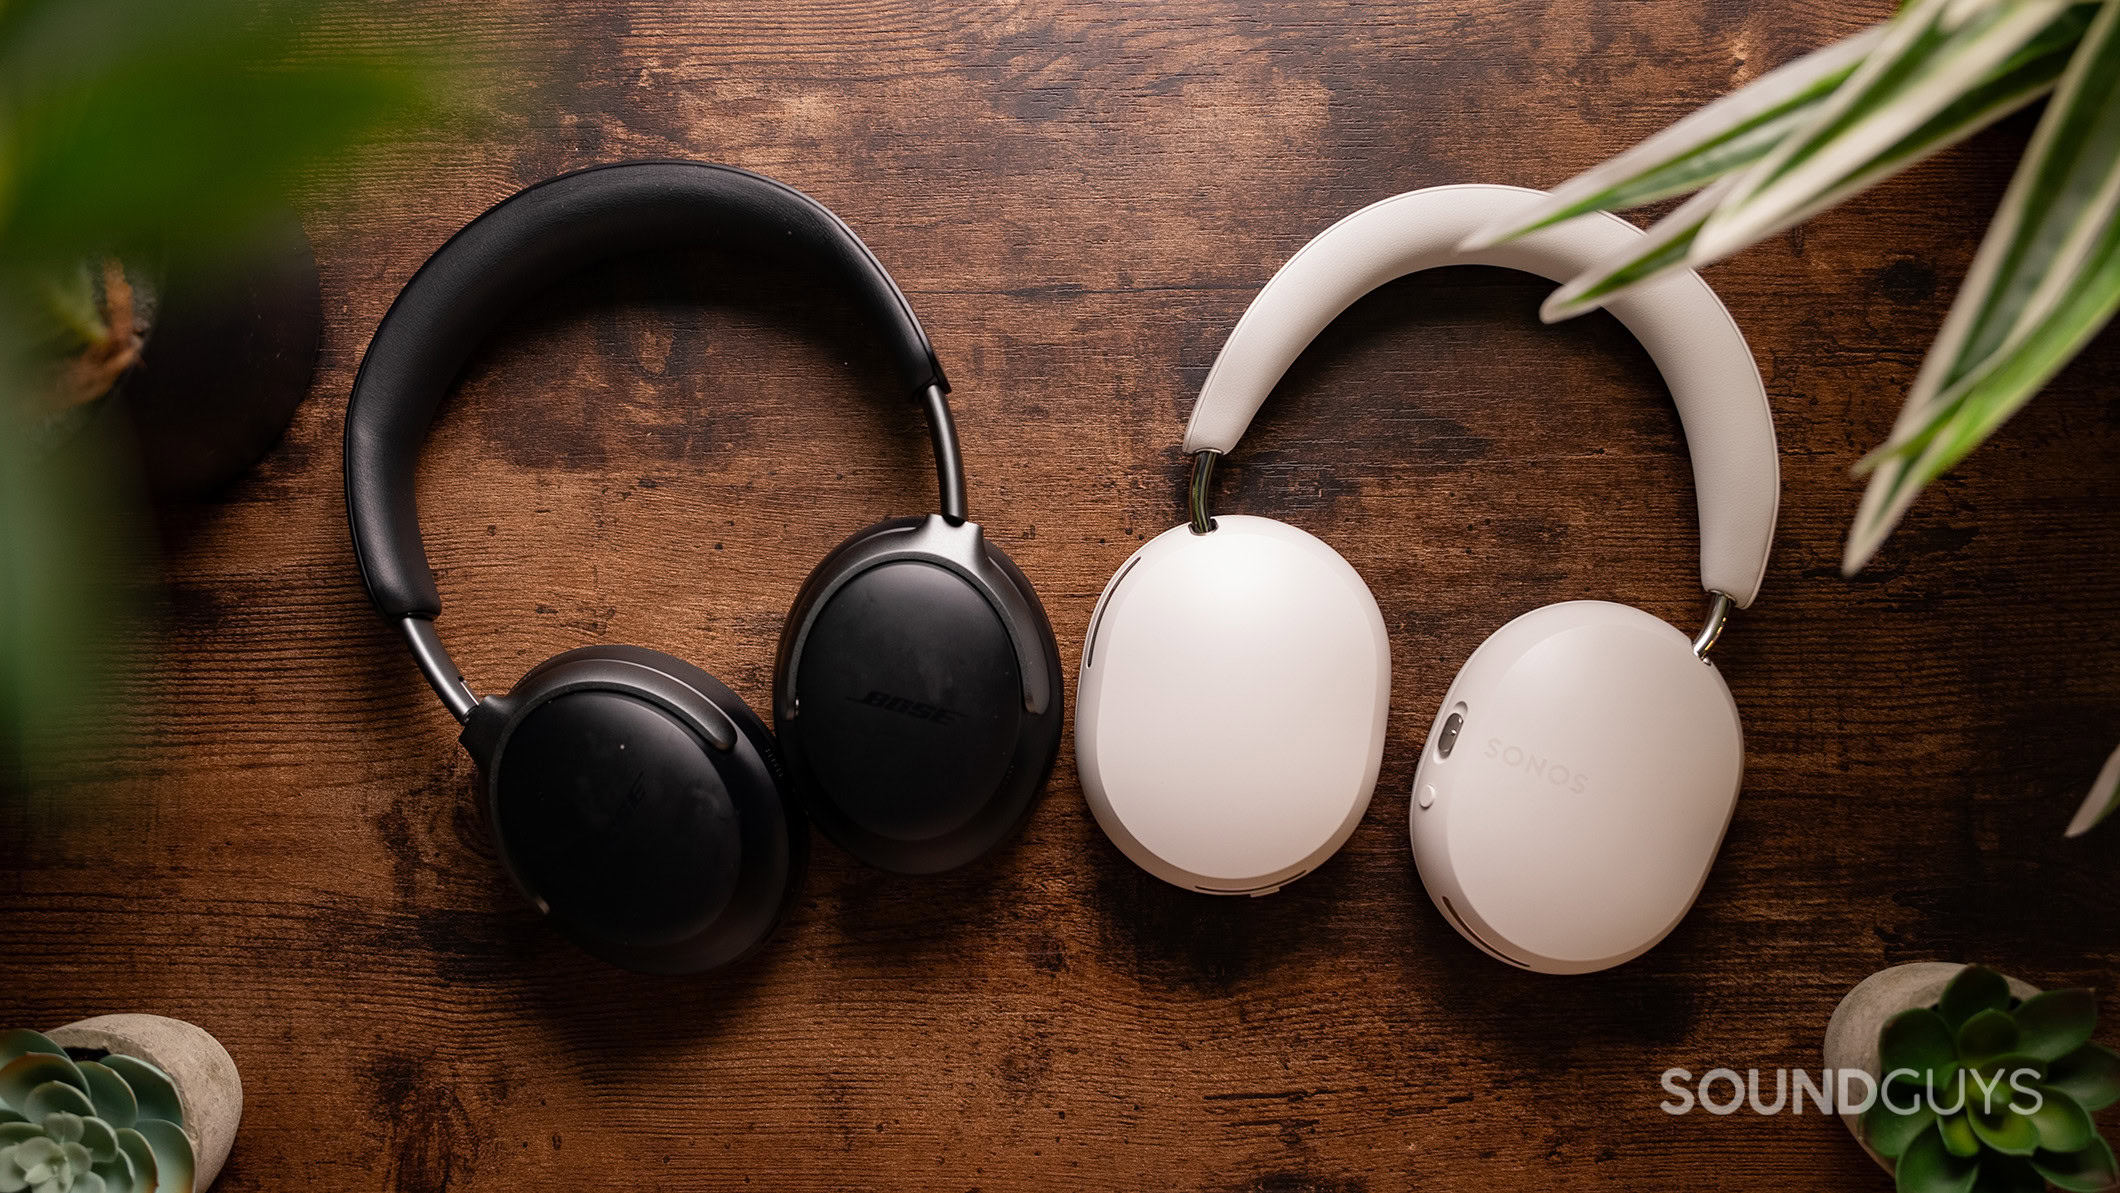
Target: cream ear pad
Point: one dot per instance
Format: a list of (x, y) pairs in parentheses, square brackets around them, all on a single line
[(1236, 680)]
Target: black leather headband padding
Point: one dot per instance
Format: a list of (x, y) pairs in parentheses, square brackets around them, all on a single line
[(524, 245)]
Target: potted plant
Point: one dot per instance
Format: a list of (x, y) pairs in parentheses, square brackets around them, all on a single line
[(159, 309), (1983, 1083), (116, 1104), (1802, 138)]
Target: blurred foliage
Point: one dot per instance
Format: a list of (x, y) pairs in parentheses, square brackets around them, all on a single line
[(140, 130)]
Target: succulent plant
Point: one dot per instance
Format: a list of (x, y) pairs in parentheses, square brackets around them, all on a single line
[(1986, 1093), (85, 1121)]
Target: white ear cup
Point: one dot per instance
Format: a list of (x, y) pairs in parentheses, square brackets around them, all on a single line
[(1576, 787), (1230, 718)]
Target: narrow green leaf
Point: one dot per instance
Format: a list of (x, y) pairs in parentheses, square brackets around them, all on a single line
[(2084, 1171), (2045, 280), (1733, 131), (1663, 247), (1974, 989), (2100, 801), (1928, 1167), (2052, 1024), (2090, 1075), (1921, 67), (2025, 77)]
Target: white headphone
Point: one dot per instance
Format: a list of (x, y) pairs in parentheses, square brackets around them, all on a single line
[(1236, 678)]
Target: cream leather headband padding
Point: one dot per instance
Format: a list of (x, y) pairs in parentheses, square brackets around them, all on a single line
[(1687, 330)]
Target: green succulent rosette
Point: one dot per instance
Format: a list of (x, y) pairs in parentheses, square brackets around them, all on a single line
[(83, 1123), (1987, 1093)]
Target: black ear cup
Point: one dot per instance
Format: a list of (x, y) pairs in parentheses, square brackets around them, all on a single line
[(918, 695), (638, 802)]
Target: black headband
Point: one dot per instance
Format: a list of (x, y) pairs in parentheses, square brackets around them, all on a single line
[(525, 244)]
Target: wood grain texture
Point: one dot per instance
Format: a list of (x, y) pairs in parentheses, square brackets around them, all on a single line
[(1080, 199)]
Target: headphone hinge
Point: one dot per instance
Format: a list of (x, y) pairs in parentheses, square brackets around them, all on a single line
[(1203, 477), (1718, 618), (434, 663)]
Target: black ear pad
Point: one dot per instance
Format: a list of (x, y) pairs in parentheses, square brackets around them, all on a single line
[(918, 695), (638, 802)]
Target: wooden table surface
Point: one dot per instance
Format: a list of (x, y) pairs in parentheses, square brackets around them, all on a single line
[(1080, 200)]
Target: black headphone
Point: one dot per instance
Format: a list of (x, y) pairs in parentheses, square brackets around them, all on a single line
[(636, 800)]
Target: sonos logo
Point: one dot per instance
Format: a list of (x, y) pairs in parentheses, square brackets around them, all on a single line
[(1518, 758), (911, 708)]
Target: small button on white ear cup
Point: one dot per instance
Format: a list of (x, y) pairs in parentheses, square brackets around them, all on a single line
[(1230, 717)]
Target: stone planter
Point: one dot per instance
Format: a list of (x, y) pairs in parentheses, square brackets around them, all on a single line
[(1851, 1035), (208, 1088)]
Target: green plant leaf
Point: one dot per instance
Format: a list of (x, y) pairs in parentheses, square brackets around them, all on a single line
[(1927, 1167), (25, 1073), (1922, 66), (1733, 131), (2090, 1075), (17, 1132), (2085, 1171), (135, 121), (21, 1042), (2045, 279), (1958, 1137), (56, 1097), (1986, 1036), (1974, 989), (2054, 1023), (1662, 248), (2025, 76), (100, 1140), (114, 1099), (157, 1094), (173, 1158), (142, 1155), (1891, 1131), (1919, 1040), (2100, 800), (2002, 1128), (2063, 1126), (120, 1175)]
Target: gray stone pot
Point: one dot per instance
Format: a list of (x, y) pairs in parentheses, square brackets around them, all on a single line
[(208, 1088), (1851, 1035)]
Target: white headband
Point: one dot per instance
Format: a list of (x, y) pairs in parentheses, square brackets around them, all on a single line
[(1688, 332)]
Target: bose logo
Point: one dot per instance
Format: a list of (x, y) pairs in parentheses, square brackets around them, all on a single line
[(1518, 758), (905, 707)]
